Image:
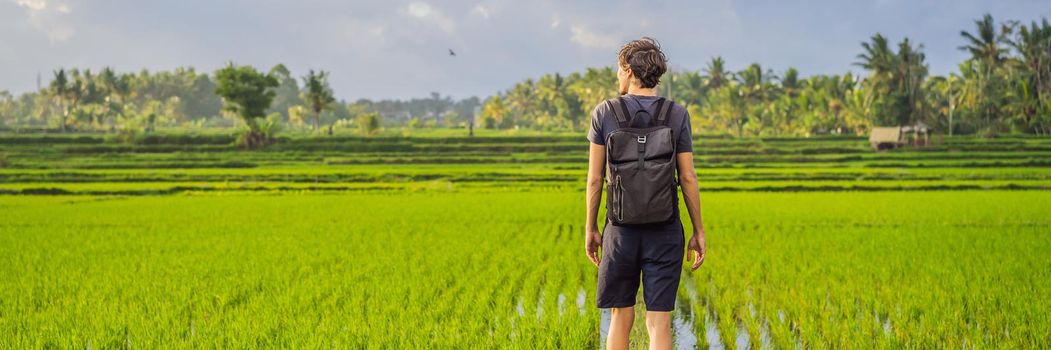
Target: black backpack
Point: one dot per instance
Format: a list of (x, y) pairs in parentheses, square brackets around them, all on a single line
[(641, 187)]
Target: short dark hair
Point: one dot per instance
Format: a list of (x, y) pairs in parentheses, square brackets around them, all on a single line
[(645, 59)]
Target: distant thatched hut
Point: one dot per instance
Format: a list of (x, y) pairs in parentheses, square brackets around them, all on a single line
[(889, 137), (920, 133), (883, 137)]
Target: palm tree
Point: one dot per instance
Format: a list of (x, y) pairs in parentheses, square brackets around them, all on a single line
[(790, 82), (73, 94), (591, 88), (59, 89), (969, 93), (836, 93), (756, 80), (109, 85), (91, 96), (727, 107), (913, 71), (317, 94), (756, 89), (493, 112), (716, 72), (690, 89), (738, 109), (1034, 45), (522, 101), (988, 45), (895, 79), (550, 98), (122, 90), (877, 57), (952, 91), (783, 109)]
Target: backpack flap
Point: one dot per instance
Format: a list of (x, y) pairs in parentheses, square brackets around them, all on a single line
[(633, 145)]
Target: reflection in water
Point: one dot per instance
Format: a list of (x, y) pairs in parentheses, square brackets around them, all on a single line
[(581, 298), (886, 323), (711, 333), (682, 322), (540, 306), (686, 321), (766, 341), (603, 328), (742, 340)]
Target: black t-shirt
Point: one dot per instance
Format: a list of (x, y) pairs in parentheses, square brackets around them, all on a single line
[(603, 121)]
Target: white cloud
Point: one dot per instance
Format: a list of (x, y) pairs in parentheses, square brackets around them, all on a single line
[(419, 9), (555, 21), (592, 40), (33, 5), (481, 11), (356, 34), (425, 12), (49, 18)]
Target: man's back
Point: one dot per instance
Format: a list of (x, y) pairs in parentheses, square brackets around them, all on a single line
[(603, 122)]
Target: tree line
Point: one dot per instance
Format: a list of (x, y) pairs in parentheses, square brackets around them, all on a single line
[(108, 101), (1004, 87)]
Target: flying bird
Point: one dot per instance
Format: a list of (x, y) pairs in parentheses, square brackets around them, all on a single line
[(451, 53)]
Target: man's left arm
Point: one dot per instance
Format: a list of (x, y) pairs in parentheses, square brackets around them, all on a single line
[(596, 175)]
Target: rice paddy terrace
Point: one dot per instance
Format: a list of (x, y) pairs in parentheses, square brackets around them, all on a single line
[(186, 241), (86, 164)]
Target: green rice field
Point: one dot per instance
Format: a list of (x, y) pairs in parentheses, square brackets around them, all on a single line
[(448, 242)]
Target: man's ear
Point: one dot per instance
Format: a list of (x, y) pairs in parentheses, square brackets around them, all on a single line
[(631, 77)]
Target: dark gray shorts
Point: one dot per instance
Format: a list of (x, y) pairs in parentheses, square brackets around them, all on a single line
[(627, 252)]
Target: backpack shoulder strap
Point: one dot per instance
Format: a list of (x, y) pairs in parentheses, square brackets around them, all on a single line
[(620, 110), (663, 108), (658, 105)]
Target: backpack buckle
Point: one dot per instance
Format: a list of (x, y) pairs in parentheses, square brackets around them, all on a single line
[(642, 139)]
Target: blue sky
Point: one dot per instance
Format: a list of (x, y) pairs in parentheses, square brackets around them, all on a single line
[(398, 49)]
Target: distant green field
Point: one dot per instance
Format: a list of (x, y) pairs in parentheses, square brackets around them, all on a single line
[(431, 241), (171, 163)]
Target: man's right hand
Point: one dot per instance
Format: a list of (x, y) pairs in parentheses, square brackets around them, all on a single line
[(592, 241), (698, 247)]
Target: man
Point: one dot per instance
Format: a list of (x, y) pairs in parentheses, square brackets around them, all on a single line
[(655, 250)]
